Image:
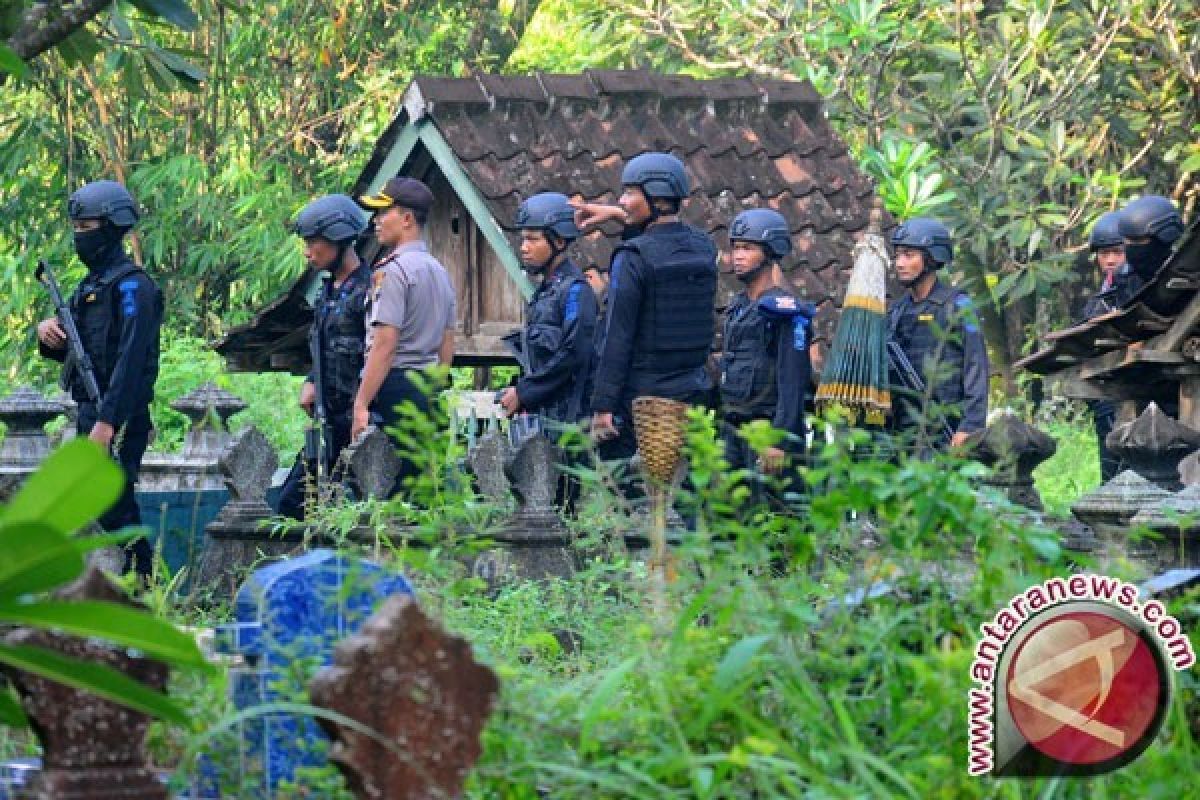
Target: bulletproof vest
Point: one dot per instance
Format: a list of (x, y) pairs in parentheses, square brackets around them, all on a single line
[(543, 335), (675, 322), (748, 362), (930, 334), (94, 307), (340, 320)]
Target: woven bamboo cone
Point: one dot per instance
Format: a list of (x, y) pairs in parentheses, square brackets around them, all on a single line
[(660, 425)]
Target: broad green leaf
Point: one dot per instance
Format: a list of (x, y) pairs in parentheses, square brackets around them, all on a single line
[(36, 558), (176, 12), (735, 662), (119, 624), (11, 713), (100, 680), (76, 484), (11, 63)]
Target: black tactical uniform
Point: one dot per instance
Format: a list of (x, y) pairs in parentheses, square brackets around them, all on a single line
[(560, 323), (660, 324), (942, 340), (339, 331), (765, 371), (118, 310)]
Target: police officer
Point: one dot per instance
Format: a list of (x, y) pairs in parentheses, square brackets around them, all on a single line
[(936, 327), (1150, 226), (560, 320), (1118, 284), (765, 368), (660, 322), (329, 226), (118, 310), (410, 316)]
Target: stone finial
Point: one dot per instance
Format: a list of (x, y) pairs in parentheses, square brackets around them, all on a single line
[(93, 748), (1110, 508), (25, 413), (1013, 449), (1177, 520), (208, 403), (1153, 445), (208, 408), (421, 690), (487, 460), (374, 463)]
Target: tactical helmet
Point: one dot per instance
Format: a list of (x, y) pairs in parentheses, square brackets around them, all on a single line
[(550, 212), (1151, 215), (763, 226), (1106, 232), (106, 200), (334, 217), (928, 234), (657, 175)]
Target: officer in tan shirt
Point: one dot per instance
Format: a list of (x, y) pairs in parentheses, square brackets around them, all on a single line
[(410, 313)]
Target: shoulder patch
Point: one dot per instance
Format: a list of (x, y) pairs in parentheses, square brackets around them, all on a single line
[(572, 309), (964, 306), (128, 289), (785, 306)]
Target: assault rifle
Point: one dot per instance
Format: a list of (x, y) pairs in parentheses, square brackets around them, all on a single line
[(911, 379), (77, 357), (319, 435)]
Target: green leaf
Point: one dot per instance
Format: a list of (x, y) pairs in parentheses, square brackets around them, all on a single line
[(74, 485), (116, 623), (11, 63), (735, 662), (176, 12), (36, 558), (601, 700), (100, 680), (11, 713)]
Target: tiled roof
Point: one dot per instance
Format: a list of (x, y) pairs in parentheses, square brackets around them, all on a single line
[(746, 143), (1151, 312)]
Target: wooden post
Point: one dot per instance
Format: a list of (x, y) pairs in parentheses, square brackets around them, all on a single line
[(1189, 402)]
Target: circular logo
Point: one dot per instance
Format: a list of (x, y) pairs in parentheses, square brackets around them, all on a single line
[(1086, 688)]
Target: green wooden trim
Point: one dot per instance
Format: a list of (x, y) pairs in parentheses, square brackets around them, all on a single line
[(400, 152), (476, 206)]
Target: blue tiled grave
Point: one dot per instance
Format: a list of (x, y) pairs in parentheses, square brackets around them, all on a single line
[(289, 616)]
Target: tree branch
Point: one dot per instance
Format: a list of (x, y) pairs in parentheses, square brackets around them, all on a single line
[(46, 25)]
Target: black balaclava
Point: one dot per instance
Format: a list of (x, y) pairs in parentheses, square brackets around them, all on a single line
[(1147, 258), (99, 248)]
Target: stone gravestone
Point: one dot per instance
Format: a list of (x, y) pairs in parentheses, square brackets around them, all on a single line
[(373, 463), (236, 539), (534, 544), (486, 460), (1110, 509), (407, 679), (1177, 521), (24, 413), (287, 612), (1013, 449), (93, 749)]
